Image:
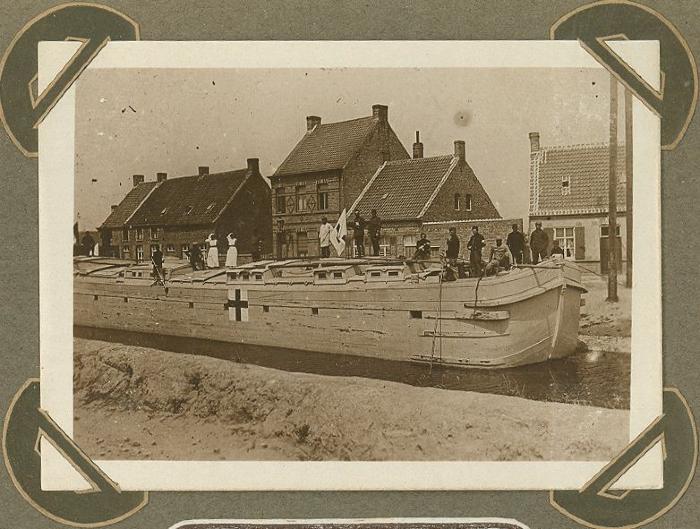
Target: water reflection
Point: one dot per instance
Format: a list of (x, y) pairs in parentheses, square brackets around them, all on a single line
[(590, 378)]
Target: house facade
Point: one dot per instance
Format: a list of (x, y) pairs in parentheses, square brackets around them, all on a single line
[(324, 173), (174, 213), (569, 196), (429, 195)]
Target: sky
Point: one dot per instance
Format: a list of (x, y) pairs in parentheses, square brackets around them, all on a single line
[(131, 121)]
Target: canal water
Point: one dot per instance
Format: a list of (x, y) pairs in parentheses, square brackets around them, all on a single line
[(588, 378)]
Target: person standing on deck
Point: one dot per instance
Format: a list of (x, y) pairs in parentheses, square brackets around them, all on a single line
[(452, 246), (516, 244), (324, 237), (539, 240), (88, 244), (213, 253), (157, 260), (374, 228), (358, 230), (194, 255), (475, 245), (232, 252)]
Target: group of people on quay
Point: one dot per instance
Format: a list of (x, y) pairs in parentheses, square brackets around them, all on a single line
[(516, 249)]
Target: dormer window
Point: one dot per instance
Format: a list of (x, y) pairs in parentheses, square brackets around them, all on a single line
[(188, 210), (164, 211), (210, 207), (565, 185)]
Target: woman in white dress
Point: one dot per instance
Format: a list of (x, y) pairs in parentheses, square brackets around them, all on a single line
[(213, 253), (232, 253)]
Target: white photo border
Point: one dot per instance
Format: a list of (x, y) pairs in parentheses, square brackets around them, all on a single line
[(56, 192)]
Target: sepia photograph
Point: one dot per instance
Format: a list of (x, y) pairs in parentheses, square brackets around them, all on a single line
[(417, 254)]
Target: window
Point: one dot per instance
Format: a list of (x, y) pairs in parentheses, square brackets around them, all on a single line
[(301, 198), (409, 243), (154, 247), (280, 202), (125, 235), (184, 250), (415, 314), (458, 201), (384, 250), (302, 244), (605, 231), (467, 202), (126, 252), (154, 233), (322, 196), (565, 185), (565, 236), (139, 253), (139, 234), (170, 248)]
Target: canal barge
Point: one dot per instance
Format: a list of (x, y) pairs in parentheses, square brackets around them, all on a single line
[(395, 310)]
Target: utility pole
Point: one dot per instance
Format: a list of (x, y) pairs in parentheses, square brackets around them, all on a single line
[(628, 187), (612, 195)]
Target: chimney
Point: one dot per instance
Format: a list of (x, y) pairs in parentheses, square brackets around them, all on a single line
[(460, 150), (138, 179), (380, 112), (418, 147), (254, 165), (202, 170), (114, 207), (161, 177), (534, 142), (312, 121)]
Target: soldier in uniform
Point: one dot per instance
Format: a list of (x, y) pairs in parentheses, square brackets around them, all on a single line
[(516, 244), (374, 228), (358, 230), (475, 245), (539, 240)]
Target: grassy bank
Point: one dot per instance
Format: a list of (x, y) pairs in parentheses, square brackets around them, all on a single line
[(128, 405)]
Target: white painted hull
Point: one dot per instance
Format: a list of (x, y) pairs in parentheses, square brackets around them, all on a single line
[(522, 317)]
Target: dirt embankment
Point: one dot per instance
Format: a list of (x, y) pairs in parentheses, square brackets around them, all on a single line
[(140, 403), (605, 325)]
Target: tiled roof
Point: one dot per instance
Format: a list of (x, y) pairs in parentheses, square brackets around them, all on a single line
[(128, 206), (402, 188), (327, 146), (189, 200), (587, 169)]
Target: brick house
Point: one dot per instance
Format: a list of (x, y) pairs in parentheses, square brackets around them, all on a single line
[(173, 213), (117, 239), (429, 195), (569, 196), (324, 173)]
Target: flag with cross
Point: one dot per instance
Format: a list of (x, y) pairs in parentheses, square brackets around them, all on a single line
[(237, 304)]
